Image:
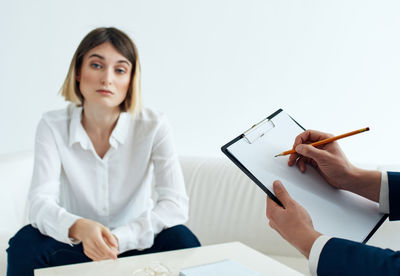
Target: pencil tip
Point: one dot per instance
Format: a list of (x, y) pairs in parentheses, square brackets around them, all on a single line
[(277, 155), (367, 128)]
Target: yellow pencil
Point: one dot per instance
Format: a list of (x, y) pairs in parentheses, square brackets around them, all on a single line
[(326, 141)]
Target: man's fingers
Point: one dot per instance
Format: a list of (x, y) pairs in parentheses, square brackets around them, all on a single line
[(311, 152), (294, 156), (306, 137), (310, 136), (301, 164), (292, 159)]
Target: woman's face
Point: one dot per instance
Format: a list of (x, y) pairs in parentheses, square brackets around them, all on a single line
[(104, 76)]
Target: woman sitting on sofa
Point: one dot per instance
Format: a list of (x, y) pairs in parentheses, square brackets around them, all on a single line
[(91, 190)]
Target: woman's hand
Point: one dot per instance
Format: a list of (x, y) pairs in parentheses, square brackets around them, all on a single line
[(292, 222), (98, 241)]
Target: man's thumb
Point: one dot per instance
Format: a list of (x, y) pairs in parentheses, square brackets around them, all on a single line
[(281, 193)]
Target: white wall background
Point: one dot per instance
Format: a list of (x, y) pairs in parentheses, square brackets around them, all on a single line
[(217, 67)]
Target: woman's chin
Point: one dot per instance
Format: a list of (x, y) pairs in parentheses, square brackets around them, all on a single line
[(103, 103)]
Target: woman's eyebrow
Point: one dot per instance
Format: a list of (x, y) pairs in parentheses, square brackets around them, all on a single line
[(96, 55), (124, 61), (101, 57)]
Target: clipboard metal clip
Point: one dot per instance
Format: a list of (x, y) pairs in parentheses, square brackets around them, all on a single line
[(258, 130)]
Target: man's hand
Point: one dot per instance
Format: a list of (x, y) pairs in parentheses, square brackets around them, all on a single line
[(292, 222), (328, 159), (333, 165), (98, 242)]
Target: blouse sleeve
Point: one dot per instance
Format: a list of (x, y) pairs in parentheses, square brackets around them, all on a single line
[(45, 213), (172, 204)]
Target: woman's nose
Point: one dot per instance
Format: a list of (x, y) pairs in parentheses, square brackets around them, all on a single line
[(106, 78), (105, 82)]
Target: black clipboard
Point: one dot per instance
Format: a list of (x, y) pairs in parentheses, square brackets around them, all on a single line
[(255, 133)]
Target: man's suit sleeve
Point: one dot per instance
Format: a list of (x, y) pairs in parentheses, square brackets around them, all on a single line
[(344, 257), (394, 195)]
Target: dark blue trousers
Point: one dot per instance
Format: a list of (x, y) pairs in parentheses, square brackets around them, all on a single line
[(29, 249)]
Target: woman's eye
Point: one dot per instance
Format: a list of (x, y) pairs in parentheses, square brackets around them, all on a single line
[(120, 71), (95, 65)]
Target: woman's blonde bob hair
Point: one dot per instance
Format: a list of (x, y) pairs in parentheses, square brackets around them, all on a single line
[(70, 89)]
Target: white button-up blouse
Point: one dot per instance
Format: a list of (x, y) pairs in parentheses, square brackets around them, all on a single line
[(71, 181)]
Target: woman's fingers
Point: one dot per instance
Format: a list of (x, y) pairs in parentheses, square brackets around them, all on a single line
[(109, 238), (104, 250), (98, 242)]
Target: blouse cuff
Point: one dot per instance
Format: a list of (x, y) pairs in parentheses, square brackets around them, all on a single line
[(127, 237), (315, 252), (66, 223)]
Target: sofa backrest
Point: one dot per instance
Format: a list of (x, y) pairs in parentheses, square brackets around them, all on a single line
[(15, 177)]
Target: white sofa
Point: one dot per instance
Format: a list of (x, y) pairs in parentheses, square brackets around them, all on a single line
[(224, 206)]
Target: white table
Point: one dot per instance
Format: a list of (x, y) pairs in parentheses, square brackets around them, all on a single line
[(177, 260)]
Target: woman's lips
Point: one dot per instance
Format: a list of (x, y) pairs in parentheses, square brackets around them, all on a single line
[(104, 92)]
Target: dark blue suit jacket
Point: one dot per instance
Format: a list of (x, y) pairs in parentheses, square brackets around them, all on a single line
[(344, 257)]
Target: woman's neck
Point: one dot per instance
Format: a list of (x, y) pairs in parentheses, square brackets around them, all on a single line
[(99, 121)]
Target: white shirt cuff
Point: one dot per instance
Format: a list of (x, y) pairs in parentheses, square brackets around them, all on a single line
[(384, 194), (66, 223), (127, 237), (315, 252)]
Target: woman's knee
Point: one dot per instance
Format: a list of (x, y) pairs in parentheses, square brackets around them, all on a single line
[(30, 249), (179, 237), (23, 254), (24, 242)]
